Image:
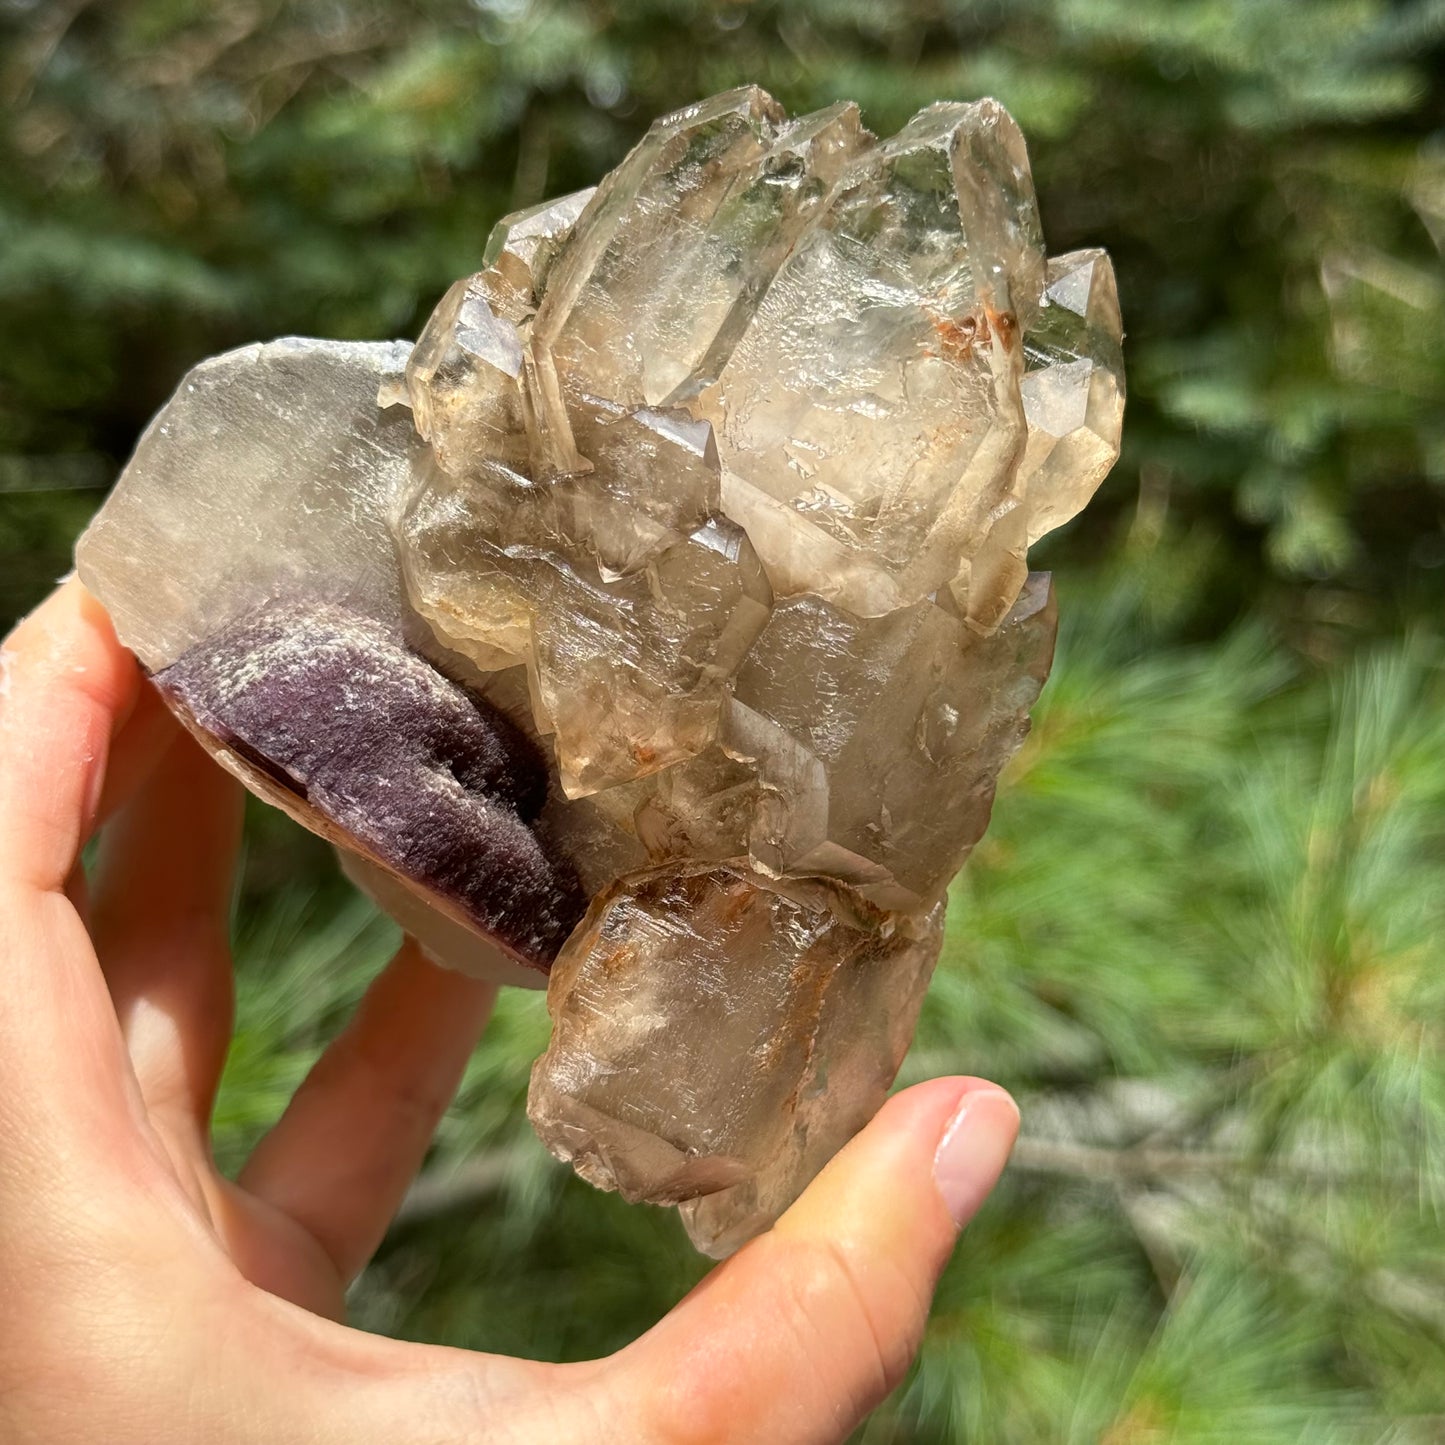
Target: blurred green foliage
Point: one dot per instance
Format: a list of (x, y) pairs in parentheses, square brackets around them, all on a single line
[(1202, 939), (177, 176)]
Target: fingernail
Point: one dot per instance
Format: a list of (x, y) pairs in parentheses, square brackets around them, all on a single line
[(974, 1148)]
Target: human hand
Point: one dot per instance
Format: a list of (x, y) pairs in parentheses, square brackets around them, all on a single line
[(146, 1298)]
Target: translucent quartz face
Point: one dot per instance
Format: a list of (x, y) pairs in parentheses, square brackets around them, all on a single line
[(715, 488), (778, 1012), (268, 475)]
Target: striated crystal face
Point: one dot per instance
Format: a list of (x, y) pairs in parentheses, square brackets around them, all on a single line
[(682, 566), (269, 474), (885, 335)]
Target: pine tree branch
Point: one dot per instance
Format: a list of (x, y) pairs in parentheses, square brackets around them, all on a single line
[(444, 1188), (1134, 1163)]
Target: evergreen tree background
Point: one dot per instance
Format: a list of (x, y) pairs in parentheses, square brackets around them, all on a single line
[(1202, 940)]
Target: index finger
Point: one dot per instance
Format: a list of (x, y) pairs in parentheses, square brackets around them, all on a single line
[(66, 685)]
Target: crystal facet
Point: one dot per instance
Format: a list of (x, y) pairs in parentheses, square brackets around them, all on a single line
[(681, 566), (269, 474), (879, 339), (828, 986)]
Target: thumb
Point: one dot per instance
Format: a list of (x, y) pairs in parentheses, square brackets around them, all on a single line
[(800, 1334)]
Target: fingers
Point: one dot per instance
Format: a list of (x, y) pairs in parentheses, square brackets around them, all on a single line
[(65, 686), (160, 920), (342, 1155), (143, 739), (789, 1343), (805, 1330)]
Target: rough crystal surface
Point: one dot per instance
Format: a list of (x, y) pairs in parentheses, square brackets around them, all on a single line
[(865, 1016), (442, 792), (827, 986), (713, 490), (269, 474), (910, 718)]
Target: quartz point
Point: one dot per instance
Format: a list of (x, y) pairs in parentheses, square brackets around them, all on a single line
[(657, 626), (831, 990)]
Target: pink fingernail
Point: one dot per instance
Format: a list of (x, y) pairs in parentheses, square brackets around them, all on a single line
[(974, 1149)]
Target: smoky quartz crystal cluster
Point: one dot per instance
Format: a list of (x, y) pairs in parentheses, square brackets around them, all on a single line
[(656, 627)]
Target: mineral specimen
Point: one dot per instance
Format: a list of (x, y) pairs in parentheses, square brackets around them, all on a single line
[(681, 566)]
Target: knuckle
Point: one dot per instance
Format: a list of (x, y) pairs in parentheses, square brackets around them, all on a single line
[(813, 1341), (876, 1322)]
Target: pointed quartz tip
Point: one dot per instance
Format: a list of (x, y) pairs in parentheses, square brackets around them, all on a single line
[(749, 100), (1073, 392), (410, 769), (1035, 600), (521, 231)]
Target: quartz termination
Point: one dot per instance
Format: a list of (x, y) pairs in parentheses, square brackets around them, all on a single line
[(739, 456), (680, 566)]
